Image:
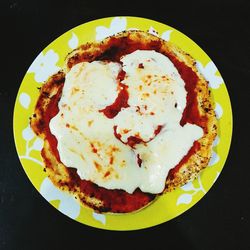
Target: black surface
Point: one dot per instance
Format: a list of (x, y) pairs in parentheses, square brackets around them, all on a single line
[(220, 220)]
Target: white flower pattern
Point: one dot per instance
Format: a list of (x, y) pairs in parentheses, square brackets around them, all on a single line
[(99, 217), (186, 198), (68, 204), (153, 31), (24, 99), (209, 72), (218, 110), (215, 157), (73, 42), (44, 65), (28, 135), (165, 35), (118, 24)]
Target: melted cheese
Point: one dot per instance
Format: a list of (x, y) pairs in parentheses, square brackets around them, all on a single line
[(85, 136), (86, 139), (155, 91)]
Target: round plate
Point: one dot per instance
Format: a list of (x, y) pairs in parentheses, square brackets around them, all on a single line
[(29, 146)]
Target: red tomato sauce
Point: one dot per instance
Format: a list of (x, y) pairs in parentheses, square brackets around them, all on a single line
[(121, 101), (133, 140), (51, 111)]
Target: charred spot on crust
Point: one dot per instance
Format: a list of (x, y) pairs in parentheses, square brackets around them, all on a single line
[(46, 94), (141, 66)]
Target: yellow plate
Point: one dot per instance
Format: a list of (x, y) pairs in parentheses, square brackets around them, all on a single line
[(29, 146)]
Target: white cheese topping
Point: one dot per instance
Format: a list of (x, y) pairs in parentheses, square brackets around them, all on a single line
[(157, 97)]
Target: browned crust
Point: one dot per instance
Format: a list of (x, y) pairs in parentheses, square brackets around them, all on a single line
[(48, 90), (200, 159), (59, 174)]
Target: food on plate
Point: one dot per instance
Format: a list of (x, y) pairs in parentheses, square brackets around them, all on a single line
[(126, 120)]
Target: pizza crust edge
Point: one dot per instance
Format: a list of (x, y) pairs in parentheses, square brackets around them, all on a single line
[(59, 174)]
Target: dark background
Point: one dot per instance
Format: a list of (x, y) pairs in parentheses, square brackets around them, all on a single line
[(220, 220)]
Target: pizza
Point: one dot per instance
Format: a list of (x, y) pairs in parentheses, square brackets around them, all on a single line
[(126, 120)]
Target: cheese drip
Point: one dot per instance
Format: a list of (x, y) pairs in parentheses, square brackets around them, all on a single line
[(85, 136)]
